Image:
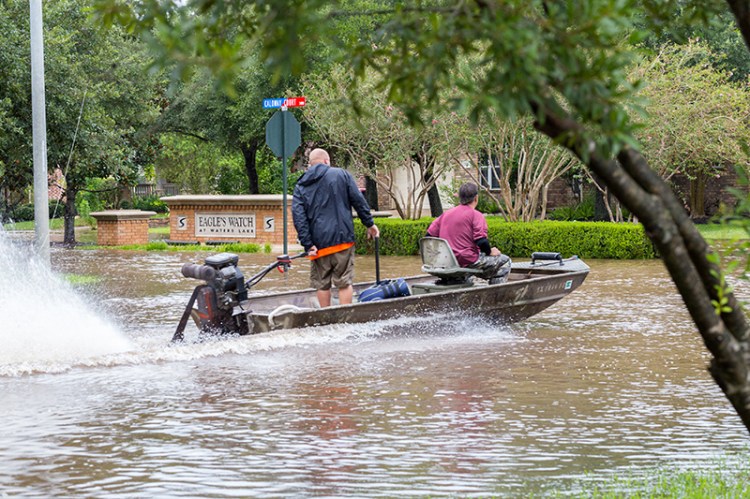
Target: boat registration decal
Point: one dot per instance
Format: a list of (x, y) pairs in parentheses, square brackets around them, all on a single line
[(568, 284)]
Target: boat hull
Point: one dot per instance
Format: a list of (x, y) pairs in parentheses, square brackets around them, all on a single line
[(529, 290)]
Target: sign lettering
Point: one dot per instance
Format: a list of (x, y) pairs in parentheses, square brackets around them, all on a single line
[(284, 102), (225, 224)]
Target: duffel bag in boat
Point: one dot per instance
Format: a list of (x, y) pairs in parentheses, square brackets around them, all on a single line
[(390, 288)]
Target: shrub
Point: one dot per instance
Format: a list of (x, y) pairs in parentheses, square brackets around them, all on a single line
[(56, 208), (23, 213), (150, 203), (397, 236), (520, 239), (582, 211), (487, 204)]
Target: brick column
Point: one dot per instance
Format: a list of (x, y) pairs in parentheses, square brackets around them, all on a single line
[(122, 227)]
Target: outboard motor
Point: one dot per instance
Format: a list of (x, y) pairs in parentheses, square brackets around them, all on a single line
[(222, 302), (216, 301)]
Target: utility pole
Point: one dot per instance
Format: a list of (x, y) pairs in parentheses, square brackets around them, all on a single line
[(39, 126)]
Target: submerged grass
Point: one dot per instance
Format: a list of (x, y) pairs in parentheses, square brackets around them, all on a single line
[(163, 246), (81, 280)]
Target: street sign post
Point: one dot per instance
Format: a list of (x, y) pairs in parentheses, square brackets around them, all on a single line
[(283, 136)]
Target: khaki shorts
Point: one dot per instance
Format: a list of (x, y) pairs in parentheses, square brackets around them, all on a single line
[(336, 269)]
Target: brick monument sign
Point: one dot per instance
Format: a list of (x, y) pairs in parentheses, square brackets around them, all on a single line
[(255, 218)]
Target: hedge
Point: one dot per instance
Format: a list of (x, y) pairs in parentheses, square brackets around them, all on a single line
[(620, 241)]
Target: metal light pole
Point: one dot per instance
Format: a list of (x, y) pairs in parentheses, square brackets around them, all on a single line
[(39, 126)]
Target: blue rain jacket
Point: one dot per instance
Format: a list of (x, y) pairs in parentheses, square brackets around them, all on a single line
[(322, 207)]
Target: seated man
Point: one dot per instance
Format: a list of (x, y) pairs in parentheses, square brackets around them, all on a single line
[(465, 229)]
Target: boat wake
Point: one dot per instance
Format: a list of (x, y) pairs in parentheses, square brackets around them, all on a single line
[(50, 328), (153, 348), (401, 333), (46, 326)]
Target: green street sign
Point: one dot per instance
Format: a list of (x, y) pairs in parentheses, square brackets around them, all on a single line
[(283, 137), (283, 133)]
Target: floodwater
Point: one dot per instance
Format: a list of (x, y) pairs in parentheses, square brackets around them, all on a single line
[(96, 403)]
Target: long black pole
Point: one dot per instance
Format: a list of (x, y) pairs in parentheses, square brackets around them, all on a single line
[(377, 260)]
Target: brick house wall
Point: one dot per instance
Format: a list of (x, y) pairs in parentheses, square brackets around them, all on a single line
[(55, 181)]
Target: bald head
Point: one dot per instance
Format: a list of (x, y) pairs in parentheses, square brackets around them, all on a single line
[(318, 156)]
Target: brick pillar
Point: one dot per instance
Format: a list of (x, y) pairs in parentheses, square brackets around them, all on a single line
[(122, 227)]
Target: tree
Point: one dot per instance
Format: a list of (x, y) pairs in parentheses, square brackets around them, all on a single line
[(403, 161), (563, 63), (233, 123), (98, 100), (518, 163), (698, 117)]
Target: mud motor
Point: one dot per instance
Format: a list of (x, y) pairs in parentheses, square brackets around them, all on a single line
[(220, 305), (217, 302)]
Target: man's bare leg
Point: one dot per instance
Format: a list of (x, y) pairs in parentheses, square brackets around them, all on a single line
[(324, 297), (345, 295)]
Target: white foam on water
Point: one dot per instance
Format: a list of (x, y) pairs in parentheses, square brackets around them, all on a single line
[(426, 331), (45, 325), (48, 327)]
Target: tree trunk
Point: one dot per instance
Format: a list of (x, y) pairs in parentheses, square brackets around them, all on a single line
[(436, 205), (686, 254), (69, 217), (427, 164), (600, 204), (371, 192), (250, 153), (698, 196)]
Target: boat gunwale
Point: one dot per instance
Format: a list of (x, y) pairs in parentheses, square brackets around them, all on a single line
[(545, 275)]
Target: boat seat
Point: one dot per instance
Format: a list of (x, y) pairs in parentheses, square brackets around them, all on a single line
[(438, 260)]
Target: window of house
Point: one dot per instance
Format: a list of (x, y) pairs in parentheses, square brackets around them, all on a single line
[(489, 169)]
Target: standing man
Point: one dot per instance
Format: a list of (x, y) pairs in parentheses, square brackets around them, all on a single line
[(322, 212), (465, 229)]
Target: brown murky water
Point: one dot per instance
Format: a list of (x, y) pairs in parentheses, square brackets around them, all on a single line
[(609, 381)]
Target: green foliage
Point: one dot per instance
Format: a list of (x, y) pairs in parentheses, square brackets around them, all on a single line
[(82, 280), (727, 480), (270, 179), (99, 100), (23, 213), (583, 211), (487, 204), (97, 194), (193, 164), (679, 136), (397, 236), (231, 177), (585, 239), (520, 239), (150, 203)]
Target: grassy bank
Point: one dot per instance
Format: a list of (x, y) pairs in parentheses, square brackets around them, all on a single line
[(719, 232), (54, 224), (725, 481)]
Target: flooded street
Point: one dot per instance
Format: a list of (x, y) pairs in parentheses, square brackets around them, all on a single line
[(611, 380)]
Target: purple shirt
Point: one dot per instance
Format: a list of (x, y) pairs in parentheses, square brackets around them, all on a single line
[(461, 226)]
